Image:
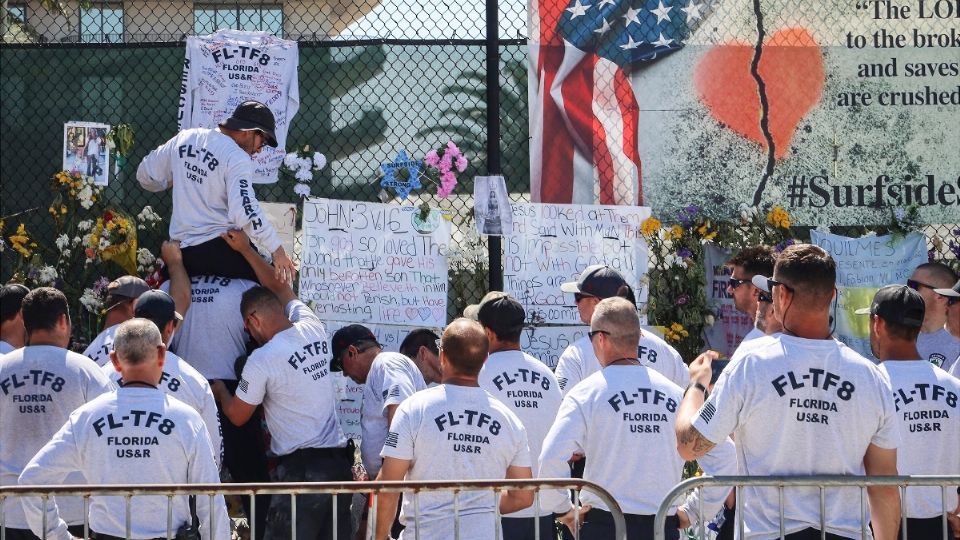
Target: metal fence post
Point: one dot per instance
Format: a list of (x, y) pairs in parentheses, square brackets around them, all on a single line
[(493, 132)]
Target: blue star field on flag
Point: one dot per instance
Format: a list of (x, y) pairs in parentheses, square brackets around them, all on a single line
[(629, 32)]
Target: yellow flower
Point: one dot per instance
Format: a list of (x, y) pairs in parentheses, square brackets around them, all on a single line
[(650, 226), (673, 233), (778, 217)]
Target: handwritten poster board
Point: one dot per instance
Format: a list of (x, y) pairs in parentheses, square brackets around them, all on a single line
[(374, 263), (549, 244), (863, 266)]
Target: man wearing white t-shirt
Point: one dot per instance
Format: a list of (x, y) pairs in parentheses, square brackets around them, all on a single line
[(749, 262), (40, 385), (178, 377), (620, 418), (420, 345), (927, 408), (455, 431), (953, 324), (290, 375), (121, 295), (528, 387), (388, 379), (578, 361), (135, 435), (800, 404), (935, 343), (13, 334), (211, 173)]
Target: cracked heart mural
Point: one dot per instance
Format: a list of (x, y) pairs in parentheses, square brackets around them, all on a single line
[(840, 111)]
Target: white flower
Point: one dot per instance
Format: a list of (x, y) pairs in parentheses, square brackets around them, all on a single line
[(3, 245), (305, 163), (145, 258), (709, 320), (85, 225), (147, 218), (47, 275), (76, 240), (304, 175), (91, 300), (319, 161), (302, 190), (104, 244), (62, 242), (110, 144), (291, 161), (65, 254), (86, 197), (869, 233)]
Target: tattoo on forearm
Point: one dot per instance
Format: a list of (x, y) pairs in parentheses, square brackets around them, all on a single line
[(697, 443)]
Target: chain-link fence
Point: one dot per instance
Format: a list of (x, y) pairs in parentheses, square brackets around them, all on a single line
[(374, 78)]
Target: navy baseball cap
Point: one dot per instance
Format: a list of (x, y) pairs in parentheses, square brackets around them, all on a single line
[(344, 338), (897, 304), (157, 306), (598, 280)]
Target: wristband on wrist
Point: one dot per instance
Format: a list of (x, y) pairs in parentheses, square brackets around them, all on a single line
[(700, 387)]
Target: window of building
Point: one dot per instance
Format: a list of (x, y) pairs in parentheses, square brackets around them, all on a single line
[(101, 23), (18, 12), (208, 18)]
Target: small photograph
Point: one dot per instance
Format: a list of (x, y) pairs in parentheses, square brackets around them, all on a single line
[(491, 205), (85, 150)]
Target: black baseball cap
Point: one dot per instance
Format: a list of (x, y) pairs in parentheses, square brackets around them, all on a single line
[(502, 314), (598, 280), (157, 306), (897, 304), (11, 297), (253, 115), (472, 311), (344, 338), (953, 292)]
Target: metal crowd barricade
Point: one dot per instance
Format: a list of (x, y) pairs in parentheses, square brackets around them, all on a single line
[(11, 495), (822, 482)]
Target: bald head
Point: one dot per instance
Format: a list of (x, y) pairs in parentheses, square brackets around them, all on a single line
[(464, 345), (618, 317), (136, 342)]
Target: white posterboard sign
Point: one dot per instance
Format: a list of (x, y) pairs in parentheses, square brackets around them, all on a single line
[(283, 217), (374, 263), (349, 393), (550, 244)]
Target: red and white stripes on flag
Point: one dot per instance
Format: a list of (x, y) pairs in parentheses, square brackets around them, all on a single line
[(584, 119)]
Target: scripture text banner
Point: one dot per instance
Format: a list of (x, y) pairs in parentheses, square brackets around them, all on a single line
[(550, 244), (374, 263), (863, 266)]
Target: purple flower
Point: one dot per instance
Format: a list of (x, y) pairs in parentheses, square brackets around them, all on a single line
[(784, 245), (432, 159), (682, 300), (684, 253)]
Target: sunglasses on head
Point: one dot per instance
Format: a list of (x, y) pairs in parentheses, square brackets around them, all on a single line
[(915, 285), (733, 282)]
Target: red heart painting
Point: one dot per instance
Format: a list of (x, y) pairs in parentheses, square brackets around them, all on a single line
[(791, 66)]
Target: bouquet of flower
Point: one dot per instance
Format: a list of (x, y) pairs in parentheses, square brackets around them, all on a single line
[(114, 238), (302, 165), (93, 298)]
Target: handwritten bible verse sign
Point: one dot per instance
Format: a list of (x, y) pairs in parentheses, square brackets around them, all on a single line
[(550, 244), (374, 263)]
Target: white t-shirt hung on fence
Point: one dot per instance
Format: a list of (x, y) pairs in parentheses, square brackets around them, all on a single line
[(224, 69)]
